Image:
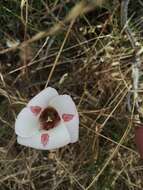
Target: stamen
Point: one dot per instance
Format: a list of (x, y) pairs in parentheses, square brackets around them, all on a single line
[(49, 118)]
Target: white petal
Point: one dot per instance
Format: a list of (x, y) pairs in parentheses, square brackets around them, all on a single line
[(73, 128), (26, 123), (65, 106), (42, 99), (57, 137)]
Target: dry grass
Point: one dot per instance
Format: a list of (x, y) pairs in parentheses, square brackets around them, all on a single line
[(88, 57)]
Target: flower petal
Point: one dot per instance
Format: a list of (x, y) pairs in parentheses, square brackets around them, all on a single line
[(44, 139), (67, 110), (42, 99), (67, 117), (26, 123), (47, 140), (35, 110)]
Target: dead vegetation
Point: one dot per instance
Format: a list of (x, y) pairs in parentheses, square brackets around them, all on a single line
[(82, 52)]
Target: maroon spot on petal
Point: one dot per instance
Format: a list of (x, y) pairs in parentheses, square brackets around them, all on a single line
[(139, 139), (35, 109), (44, 139), (67, 117)]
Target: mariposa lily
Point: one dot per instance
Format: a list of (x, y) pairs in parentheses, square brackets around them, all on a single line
[(49, 121)]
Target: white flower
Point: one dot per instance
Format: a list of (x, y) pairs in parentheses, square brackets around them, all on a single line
[(48, 121), (12, 43)]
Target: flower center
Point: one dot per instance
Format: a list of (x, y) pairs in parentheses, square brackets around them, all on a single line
[(49, 118)]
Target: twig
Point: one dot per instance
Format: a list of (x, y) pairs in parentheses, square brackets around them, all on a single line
[(134, 43)]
